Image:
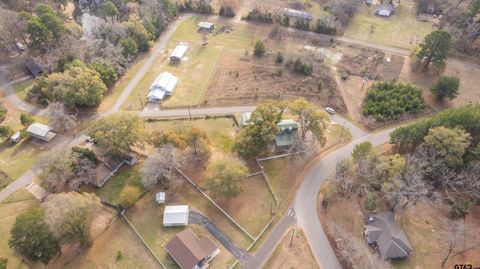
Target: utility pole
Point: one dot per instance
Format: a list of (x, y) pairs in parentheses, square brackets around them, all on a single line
[(141, 102), (291, 239), (189, 113)]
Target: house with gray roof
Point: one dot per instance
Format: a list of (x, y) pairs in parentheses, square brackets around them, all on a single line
[(41, 131), (382, 230)]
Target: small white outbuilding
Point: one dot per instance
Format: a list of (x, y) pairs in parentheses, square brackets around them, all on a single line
[(179, 52), (206, 26), (160, 197), (176, 215)]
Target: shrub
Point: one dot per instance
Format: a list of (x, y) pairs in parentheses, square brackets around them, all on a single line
[(319, 86), (129, 195), (260, 16), (3, 113), (26, 119), (388, 100), (279, 57), (119, 255), (446, 86), (302, 25), (323, 28), (227, 11), (302, 68), (3, 263), (5, 131), (371, 203), (129, 47), (259, 48)]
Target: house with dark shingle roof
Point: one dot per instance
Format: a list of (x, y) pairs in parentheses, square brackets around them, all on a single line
[(189, 252), (382, 230)]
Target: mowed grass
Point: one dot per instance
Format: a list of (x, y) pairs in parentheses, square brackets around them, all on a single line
[(126, 177), (219, 130), (16, 159), (401, 30), (22, 88), (20, 202), (196, 71)]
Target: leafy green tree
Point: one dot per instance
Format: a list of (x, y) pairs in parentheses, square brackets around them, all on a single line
[(26, 119), (446, 86), (135, 28), (389, 100), (197, 138), (371, 203), (311, 119), (45, 26), (39, 34), (435, 48), (410, 136), (32, 238), (117, 132), (450, 144), (260, 130), (225, 177), (259, 49), (129, 195), (129, 48), (109, 10), (69, 216), (107, 73), (76, 87), (362, 151)]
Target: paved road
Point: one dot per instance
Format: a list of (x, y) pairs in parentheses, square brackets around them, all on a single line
[(274, 238), (160, 45), (199, 219), (13, 98), (195, 112)]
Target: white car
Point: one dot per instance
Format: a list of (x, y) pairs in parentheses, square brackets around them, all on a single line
[(330, 110)]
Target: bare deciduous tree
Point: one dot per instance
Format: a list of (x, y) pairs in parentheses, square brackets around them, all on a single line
[(160, 167), (58, 117), (458, 239)]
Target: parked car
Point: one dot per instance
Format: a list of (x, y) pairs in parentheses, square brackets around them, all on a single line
[(330, 110)]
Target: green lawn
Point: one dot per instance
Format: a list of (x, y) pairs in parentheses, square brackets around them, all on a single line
[(16, 159), (22, 88), (401, 30), (15, 205), (219, 130), (125, 177), (197, 70)]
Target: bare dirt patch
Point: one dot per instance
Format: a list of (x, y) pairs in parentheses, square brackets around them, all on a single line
[(292, 252), (244, 79), (359, 61)]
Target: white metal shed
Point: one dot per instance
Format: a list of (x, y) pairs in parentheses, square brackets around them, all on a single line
[(176, 215)]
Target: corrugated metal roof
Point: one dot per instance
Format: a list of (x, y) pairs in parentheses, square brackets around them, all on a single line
[(175, 214), (179, 51), (165, 82), (39, 129)]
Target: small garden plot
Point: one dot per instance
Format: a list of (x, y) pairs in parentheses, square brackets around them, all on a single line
[(245, 79), (401, 30), (17, 204), (292, 252), (147, 217)]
